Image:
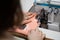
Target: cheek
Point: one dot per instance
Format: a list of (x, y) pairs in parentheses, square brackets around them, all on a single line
[(31, 26), (25, 31)]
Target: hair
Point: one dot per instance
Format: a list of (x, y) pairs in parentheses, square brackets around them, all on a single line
[(8, 10)]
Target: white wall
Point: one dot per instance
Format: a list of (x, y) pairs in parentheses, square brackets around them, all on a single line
[(51, 0), (26, 5)]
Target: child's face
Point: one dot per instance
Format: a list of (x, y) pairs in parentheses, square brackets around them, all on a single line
[(29, 26)]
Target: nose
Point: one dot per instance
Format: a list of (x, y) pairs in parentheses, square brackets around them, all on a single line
[(38, 19), (38, 22)]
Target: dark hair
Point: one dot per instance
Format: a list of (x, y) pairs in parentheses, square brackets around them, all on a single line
[(8, 9)]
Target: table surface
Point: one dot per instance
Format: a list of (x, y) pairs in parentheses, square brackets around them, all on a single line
[(51, 34)]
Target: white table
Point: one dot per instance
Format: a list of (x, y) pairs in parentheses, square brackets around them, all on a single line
[(54, 26), (51, 34)]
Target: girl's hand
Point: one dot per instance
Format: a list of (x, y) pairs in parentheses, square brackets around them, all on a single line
[(36, 35)]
